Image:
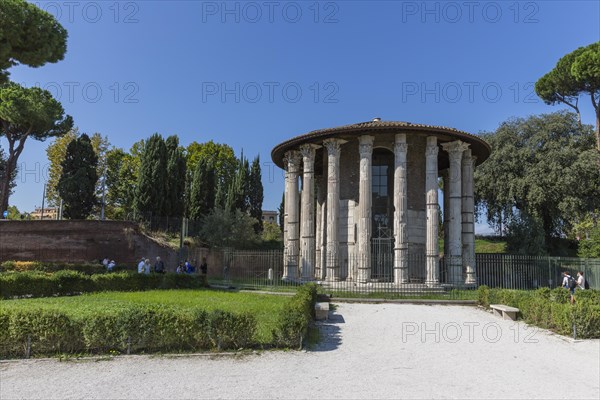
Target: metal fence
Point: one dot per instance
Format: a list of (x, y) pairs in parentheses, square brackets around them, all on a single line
[(265, 270)]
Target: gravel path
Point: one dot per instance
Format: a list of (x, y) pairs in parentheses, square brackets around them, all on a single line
[(370, 351)]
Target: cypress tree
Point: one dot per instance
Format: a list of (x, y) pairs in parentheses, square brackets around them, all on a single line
[(255, 194), (77, 183), (202, 193), (176, 174), (151, 188), (237, 194)]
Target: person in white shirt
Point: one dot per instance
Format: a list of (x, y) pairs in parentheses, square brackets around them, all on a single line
[(141, 266), (580, 280), (565, 281)]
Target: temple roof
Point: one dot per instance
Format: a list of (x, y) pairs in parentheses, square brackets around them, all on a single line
[(479, 147)]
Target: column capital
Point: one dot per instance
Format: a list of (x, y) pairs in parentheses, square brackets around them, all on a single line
[(308, 150), (291, 160), (432, 148), (333, 146), (365, 145), (400, 145), (455, 149)]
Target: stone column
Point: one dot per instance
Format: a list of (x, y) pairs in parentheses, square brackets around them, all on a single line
[(307, 216), (318, 233), (468, 224), (454, 259), (400, 213), (365, 223), (333, 147), (431, 200), (446, 216), (290, 268)]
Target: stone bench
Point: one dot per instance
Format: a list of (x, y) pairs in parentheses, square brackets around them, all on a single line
[(321, 311), (505, 312)]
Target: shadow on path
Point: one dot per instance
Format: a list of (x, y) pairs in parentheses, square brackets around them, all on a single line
[(330, 333)]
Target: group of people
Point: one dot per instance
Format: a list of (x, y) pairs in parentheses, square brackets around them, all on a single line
[(185, 267), (109, 265), (570, 283), (144, 267)]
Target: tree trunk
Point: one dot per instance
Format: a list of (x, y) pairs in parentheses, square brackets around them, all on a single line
[(597, 110), (11, 165), (5, 184)]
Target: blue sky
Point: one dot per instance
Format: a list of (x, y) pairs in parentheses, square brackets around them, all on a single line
[(253, 74)]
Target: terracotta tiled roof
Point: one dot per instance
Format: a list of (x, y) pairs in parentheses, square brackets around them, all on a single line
[(480, 148)]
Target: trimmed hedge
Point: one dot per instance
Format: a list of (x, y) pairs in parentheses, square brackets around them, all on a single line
[(136, 328), (30, 266), (128, 330), (62, 283), (551, 309), (293, 322)]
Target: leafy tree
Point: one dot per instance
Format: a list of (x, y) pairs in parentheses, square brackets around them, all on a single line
[(575, 74), (77, 184), (121, 180), (525, 235), (222, 159), (271, 232), (544, 167), (27, 113), (590, 246), (255, 194), (152, 179), (14, 214), (176, 176), (56, 154), (28, 35), (202, 194), (226, 228)]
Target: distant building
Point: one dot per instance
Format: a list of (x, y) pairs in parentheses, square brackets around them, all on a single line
[(269, 216), (49, 213)]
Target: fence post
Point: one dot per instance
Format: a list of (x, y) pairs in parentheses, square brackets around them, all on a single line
[(28, 347)]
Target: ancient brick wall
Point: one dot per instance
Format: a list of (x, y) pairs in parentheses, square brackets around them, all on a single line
[(80, 241)]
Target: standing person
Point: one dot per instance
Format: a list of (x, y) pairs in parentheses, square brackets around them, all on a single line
[(566, 278), (142, 266), (570, 284), (111, 265), (204, 266), (147, 266), (159, 266), (580, 280)]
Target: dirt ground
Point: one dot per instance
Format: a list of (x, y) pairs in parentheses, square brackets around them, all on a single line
[(368, 351)]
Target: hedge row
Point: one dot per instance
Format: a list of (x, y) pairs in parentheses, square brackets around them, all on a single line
[(29, 266), (132, 329), (293, 322), (152, 328), (39, 284), (551, 308)]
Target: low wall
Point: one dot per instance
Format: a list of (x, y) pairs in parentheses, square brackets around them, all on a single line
[(80, 241)]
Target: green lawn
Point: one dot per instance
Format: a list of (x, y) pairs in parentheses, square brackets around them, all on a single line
[(483, 245), (264, 307)]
